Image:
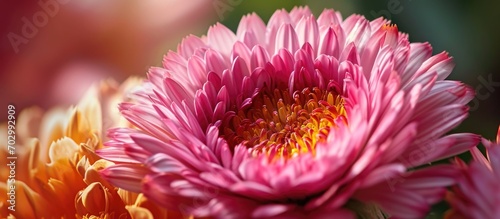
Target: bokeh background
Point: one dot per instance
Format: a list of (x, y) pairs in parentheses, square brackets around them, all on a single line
[(51, 51)]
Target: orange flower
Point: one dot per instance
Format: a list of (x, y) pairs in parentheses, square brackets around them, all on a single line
[(56, 167)]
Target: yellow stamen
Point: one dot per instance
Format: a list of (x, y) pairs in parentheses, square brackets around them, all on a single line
[(283, 125)]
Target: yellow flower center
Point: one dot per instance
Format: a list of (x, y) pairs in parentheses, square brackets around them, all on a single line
[(284, 125)]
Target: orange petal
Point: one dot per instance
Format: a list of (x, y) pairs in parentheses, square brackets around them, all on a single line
[(91, 109), (139, 212), (62, 149), (51, 130), (92, 200)]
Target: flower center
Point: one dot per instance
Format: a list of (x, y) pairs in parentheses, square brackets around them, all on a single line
[(284, 125)]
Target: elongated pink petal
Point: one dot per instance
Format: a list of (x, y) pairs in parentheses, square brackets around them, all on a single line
[(474, 196), (126, 176)]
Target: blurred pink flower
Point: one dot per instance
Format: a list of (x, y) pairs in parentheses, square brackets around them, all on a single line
[(303, 117), (42, 40), (477, 193)]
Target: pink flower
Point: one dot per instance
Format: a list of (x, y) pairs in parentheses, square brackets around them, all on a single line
[(303, 117), (60, 39), (477, 193)]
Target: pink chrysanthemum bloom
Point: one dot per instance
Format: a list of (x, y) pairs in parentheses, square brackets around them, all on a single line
[(303, 117), (477, 193)]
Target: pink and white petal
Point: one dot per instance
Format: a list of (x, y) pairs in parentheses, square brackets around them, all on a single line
[(329, 18), (378, 23), (440, 121), (329, 43), (357, 30), (399, 143), (372, 49), (163, 163), (440, 63), (116, 154), (271, 210), (252, 23), (298, 13), (350, 54), (259, 57), (308, 32), (286, 38), (189, 45), (221, 38), (254, 190), (222, 207), (279, 18), (197, 73), (215, 62), (157, 188), (494, 158), (125, 176), (444, 93), (437, 176), (328, 67), (462, 143), (382, 173), (397, 203), (419, 53)]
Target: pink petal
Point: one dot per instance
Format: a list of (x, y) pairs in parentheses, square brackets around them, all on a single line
[(308, 32), (126, 176), (286, 38), (221, 39)]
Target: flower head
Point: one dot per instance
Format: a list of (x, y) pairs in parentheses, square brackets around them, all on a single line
[(57, 166), (477, 193), (302, 117)]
